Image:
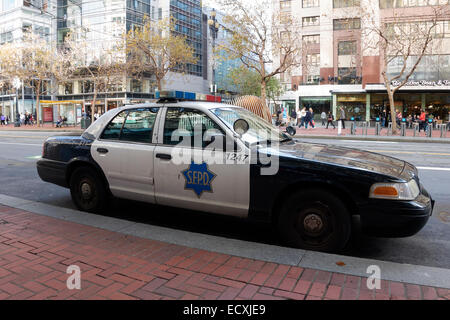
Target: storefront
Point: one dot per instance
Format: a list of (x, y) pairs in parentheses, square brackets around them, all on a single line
[(318, 104)]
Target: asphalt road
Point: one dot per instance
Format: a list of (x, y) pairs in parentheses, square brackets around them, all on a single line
[(430, 247)]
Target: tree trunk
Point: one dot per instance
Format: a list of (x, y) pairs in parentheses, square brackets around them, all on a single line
[(393, 114), (264, 92), (159, 84), (38, 95)]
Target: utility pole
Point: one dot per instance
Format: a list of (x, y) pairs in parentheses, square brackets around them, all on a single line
[(214, 29)]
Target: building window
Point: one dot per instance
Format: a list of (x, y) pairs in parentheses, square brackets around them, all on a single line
[(346, 24), (312, 79), (347, 76), (285, 4), (310, 3), (8, 4), (68, 88), (311, 39), (347, 48), (285, 17), (313, 60), (346, 3), (387, 4), (310, 21), (136, 85)]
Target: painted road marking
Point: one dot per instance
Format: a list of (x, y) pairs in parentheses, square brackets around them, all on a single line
[(33, 157), (21, 144), (26, 137), (433, 169)]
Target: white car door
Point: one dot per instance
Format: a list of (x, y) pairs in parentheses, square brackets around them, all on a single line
[(194, 176), (125, 153)]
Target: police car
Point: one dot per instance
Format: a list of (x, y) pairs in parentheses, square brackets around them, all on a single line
[(225, 160)]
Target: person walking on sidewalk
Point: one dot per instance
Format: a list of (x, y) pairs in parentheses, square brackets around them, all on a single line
[(293, 117), (2, 119), (302, 117), (309, 118), (342, 117), (330, 120), (323, 116)]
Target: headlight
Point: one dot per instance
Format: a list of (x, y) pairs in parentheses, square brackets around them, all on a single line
[(395, 191)]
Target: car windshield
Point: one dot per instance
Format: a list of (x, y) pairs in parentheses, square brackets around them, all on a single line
[(259, 129)]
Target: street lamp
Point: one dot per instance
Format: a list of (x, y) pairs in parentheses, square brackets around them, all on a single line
[(214, 29), (17, 84)]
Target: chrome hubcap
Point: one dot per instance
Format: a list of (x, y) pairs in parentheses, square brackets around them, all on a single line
[(86, 191), (313, 223)]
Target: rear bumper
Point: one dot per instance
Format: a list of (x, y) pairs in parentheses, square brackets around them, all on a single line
[(53, 172), (389, 218)]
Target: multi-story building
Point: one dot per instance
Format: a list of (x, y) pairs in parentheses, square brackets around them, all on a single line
[(339, 69), (16, 16)]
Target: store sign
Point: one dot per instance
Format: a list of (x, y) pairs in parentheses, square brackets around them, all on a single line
[(427, 83)]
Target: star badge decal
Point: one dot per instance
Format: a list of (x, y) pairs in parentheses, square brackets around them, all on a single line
[(198, 178)]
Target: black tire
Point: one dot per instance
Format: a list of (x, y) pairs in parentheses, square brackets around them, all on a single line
[(87, 190), (314, 220)]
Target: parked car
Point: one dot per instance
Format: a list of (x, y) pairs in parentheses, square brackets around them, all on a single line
[(225, 160)]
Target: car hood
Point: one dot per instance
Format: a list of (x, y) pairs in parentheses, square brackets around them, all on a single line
[(342, 156)]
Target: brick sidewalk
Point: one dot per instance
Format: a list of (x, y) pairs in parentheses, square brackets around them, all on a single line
[(36, 250)]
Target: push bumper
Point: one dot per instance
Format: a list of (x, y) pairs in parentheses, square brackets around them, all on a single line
[(390, 218), (52, 171)]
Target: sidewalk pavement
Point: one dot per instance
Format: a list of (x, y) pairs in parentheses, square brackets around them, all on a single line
[(320, 132), (44, 127), (35, 251)]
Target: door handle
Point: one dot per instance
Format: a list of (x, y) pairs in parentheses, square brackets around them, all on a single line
[(164, 156), (102, 150)]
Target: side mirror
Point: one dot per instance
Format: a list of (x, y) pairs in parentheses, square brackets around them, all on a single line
[(241, 126), (291, 131)]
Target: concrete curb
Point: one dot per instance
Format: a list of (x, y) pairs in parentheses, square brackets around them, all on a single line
[(407, 273), (379, 138)]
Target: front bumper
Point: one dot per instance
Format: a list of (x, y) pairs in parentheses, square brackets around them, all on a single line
[(391, 218)]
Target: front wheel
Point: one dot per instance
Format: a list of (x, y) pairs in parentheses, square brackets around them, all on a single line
[(87, 190), (315, 220)]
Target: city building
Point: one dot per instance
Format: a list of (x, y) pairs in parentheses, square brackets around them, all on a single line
[(17, 16), (337, 70)]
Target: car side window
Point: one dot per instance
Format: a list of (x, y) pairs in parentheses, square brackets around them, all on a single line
[(113, 129), (132, 125), (138, 125), (184, 125)]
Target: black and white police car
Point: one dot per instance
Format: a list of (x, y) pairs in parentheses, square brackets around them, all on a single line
[(226, 160)]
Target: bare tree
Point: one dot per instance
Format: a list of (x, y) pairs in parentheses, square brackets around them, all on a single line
[(260, 37), (402, 41), (103, 64), (156, 47), (35, 62)]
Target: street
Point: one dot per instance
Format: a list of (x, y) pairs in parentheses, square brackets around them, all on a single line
[(429, 247)]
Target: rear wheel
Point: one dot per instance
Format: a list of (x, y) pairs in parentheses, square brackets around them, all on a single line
[(87, 190), (315, 220)]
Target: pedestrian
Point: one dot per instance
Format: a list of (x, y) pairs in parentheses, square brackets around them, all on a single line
[(293, 117), (330, 120), (399, 117), (342, 117), (309, 118), (2, 119), (299, 117), (22, 119), (302, 117), (422, 119), (323, 116)]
